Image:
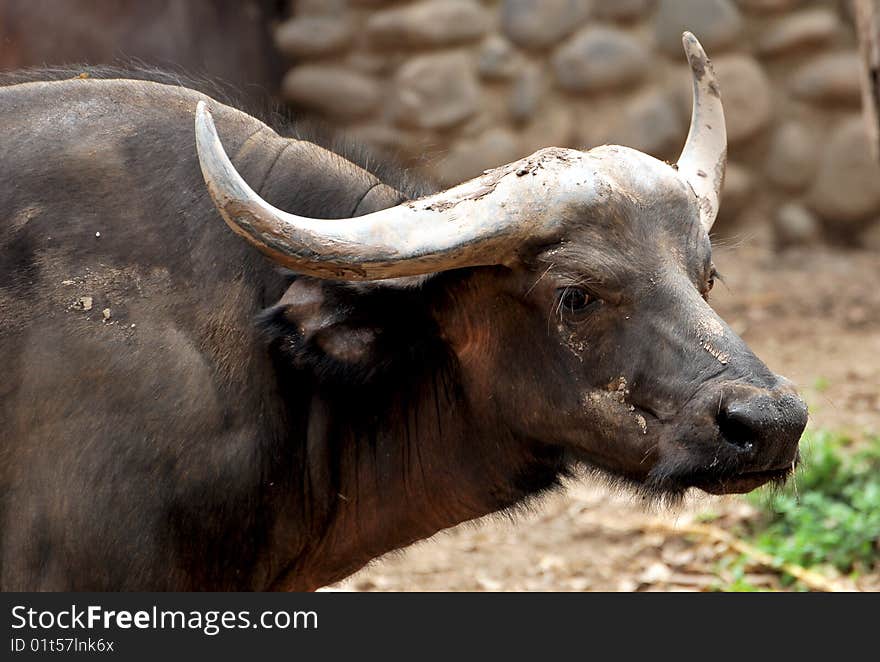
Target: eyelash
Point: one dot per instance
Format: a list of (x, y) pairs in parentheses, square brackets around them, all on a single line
[(710, 283), (574, 301), (584, 300)]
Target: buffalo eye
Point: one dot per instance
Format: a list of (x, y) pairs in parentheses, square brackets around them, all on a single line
[(710, 282), (574, 300)]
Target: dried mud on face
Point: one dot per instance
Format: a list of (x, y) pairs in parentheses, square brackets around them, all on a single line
[(812, 315)]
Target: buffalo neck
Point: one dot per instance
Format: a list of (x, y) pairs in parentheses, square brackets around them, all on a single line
[(381, 470)]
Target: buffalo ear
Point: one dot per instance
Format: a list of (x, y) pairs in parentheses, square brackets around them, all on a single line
[(355, 333), (316, 328)]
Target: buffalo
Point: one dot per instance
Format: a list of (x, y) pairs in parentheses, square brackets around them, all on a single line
[(361, 362)]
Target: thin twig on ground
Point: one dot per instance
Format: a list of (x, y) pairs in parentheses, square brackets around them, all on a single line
[(809, 578)]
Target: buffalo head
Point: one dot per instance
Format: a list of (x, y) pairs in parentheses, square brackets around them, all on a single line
[(575, 301)]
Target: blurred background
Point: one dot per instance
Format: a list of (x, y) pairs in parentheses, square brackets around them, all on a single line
[(449, 88)]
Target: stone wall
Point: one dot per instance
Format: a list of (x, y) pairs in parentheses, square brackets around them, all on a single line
[(223, 40), (453, 87)]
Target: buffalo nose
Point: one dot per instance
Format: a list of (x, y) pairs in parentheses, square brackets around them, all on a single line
[(765, 423)]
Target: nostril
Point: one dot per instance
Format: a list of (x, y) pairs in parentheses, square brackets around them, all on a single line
[(736, 429)]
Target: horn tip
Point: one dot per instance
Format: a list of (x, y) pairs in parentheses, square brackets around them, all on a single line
[(693, 48), (697, 59), (205, 129), (202, 112)]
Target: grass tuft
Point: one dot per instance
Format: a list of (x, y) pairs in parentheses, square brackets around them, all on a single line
[(830, 513)]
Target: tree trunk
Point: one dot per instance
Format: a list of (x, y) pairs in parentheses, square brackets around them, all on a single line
[(868, 30)]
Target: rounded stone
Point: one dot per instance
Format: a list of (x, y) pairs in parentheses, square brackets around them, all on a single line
[(552, 127), (622, 10), (800, 31), (795, 225), (846, 189), (469, 158), (768, 6), (829, 79), (528, 90), (746, 93), (331, 89), (498, 59), (596, 119), (435, 91), (650, 123), (312, 36), (736, 194), (428, 23), (793, 156), (378, 135), (371, 62), (540, 24), (600, 58), (870, 237), (716, 23), (331, 8)]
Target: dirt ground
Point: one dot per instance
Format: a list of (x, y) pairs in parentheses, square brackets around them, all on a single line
[(813, 315)]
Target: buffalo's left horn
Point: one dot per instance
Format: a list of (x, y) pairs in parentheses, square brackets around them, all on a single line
[(481, 222), (704, 156)]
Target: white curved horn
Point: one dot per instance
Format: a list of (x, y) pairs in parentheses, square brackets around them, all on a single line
[(481, 222), (704, 156)]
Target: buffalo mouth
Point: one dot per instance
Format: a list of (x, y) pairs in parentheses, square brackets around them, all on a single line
[(742, 482)]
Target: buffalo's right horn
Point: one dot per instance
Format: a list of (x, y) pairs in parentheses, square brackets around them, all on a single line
[(481, 222)]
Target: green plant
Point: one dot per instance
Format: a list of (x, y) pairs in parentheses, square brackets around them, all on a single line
[(733, 569), (830, 512), (821, 384)]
